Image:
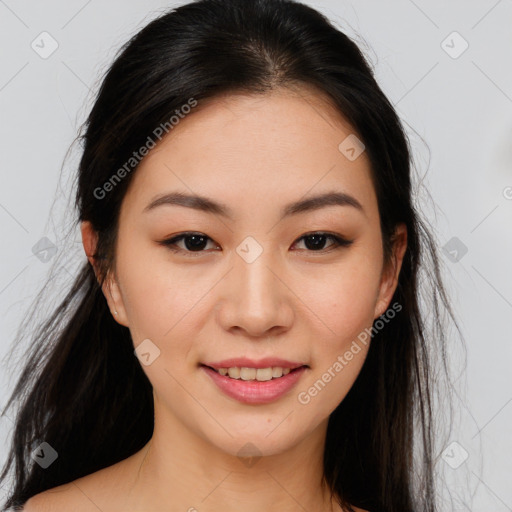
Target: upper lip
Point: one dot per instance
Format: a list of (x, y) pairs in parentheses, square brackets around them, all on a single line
[(244, 362)]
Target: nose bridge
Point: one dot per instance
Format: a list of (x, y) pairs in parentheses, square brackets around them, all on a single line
[(256, 297), (252, 270)]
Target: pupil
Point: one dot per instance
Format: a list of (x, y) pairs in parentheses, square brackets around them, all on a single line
[(197, 243), (318, 241)]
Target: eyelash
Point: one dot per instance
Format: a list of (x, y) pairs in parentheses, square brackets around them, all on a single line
[(339, 242)]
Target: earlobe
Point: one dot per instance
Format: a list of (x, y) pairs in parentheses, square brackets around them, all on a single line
[(390, 275), (114, 299)]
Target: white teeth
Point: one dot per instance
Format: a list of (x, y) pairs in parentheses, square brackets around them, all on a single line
[(264, 374), (247, 373), (277, 371), (259, 374), (234, 372)]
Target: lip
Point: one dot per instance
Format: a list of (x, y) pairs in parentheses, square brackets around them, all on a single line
[(253, 391), (251, 363)]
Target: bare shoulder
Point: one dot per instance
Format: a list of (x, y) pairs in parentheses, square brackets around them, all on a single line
[(58, 499), (102, 490), (86, 494)]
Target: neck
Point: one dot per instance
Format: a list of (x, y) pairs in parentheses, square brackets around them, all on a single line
[(179, 470)]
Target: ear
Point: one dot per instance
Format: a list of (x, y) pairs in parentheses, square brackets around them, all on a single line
[(110, 287), (389, 276)]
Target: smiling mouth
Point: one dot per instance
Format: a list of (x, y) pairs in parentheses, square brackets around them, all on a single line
[(255, 374)]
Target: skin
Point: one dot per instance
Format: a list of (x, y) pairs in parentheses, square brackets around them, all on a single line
[(255, 154)]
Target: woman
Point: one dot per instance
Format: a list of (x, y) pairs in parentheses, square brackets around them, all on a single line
[(246, 330)]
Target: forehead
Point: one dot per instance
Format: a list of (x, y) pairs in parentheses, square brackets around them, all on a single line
[(255, 151)]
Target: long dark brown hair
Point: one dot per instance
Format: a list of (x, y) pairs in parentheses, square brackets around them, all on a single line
[(84, 392)]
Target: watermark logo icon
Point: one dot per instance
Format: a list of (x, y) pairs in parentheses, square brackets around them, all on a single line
[(44, 249), (454, 45), (351, 147), (455, 455), (147, 352), (455, 249), (249, 454), (249, 249), (45, 45), (44, 455)]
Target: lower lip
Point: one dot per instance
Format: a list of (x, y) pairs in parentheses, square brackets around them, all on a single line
[(253, 391)]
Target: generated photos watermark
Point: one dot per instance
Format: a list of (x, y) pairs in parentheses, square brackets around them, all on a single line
[(137, 156), (304, 397)]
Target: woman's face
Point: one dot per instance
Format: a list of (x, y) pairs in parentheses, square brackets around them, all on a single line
[(254, 289)]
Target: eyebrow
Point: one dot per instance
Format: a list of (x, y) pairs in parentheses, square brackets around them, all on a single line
[(207, 205)]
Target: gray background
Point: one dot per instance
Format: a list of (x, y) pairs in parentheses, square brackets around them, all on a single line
[(456, 106)]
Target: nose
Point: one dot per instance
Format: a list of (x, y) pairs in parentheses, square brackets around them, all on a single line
[(255, 299)]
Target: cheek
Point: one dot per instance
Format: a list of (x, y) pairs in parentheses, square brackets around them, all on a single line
[(157, 296), (342, 305), (342, 300)]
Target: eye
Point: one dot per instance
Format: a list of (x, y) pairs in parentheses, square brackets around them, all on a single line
[(315, 241), (196, 242)]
